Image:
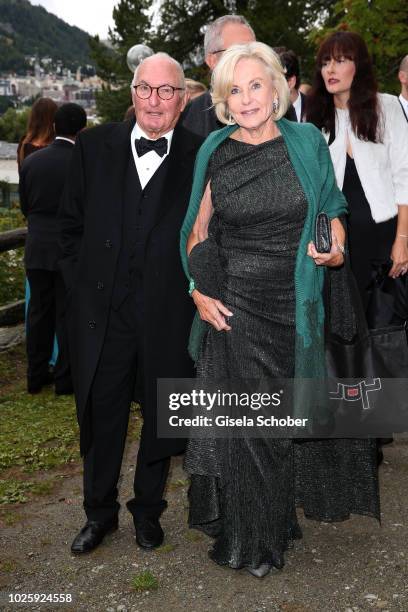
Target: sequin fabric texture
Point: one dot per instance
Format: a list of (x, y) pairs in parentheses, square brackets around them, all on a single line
[(244, 492)]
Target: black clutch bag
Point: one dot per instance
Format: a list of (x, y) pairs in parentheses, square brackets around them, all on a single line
[(323, 237)]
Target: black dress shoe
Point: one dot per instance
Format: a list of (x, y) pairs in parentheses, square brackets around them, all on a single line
[(67, 390), (149, 533), (92, 535)]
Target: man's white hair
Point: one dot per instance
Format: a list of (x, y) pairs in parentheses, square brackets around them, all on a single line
[(169, 59), (213, 34)]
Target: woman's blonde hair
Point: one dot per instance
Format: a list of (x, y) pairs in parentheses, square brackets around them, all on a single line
[(223, 75)]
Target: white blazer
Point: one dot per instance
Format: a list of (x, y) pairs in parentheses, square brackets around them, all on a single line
[(382, 167)]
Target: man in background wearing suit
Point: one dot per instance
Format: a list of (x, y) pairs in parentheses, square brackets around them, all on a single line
[(290, 61), (199, 116), (42, 181), (129, 313)]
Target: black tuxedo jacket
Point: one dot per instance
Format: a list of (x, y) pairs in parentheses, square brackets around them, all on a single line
[(199, 117), (91, 238), (42, 180)]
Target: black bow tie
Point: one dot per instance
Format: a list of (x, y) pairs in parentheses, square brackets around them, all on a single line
[(143, 145)]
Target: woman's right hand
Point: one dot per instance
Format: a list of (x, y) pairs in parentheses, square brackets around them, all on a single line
[(211, 310)]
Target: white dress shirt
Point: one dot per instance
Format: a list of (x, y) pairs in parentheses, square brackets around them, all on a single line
[(63, 138), (382, 166), (297, 105), (404, 103), (147, 165)]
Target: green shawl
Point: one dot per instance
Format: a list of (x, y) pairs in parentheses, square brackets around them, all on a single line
[(311, 160)]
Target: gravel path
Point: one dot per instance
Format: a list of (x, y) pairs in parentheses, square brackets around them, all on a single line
[(344, 567)]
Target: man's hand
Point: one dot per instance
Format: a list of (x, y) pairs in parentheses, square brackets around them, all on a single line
[(211, 310)]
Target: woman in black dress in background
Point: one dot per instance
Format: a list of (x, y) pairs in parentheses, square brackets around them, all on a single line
[(368, 140)]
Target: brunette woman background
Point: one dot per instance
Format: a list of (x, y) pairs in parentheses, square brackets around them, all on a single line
[(368, 140), (40, 129)]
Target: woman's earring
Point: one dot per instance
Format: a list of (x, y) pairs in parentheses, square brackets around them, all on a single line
[(275, 105), (231, 119)]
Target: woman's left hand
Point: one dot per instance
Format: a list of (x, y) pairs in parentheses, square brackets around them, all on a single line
[(333, 259), (399, 256)]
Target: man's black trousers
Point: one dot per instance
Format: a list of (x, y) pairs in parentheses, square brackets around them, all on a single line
[(45, 319), (110, 399)]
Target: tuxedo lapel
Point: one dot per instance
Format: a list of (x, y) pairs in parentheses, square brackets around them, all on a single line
[(114, 163), (177, 171)]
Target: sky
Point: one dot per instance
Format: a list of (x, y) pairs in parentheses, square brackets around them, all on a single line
[(93, 16)]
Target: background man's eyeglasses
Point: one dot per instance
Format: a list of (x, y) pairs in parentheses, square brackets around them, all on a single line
[(165, 92)]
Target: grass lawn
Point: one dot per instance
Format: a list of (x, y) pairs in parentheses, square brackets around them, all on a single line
[(38, 436), (12, 274)]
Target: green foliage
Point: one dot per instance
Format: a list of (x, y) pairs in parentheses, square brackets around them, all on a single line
[(12, 272), (193, 536), (29, 30), (12, 276), (145, 581), (180, 31), (38, 432), (112, 104), (132, 26), (5, 103), (166, 548), (8, 565), (13, 124), (384, 26)]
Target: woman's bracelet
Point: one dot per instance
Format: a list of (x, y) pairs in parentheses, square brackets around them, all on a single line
[(341, 248), (191, 286), (403, 235)]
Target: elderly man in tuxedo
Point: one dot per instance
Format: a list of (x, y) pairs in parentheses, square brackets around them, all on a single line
[(129, 312)]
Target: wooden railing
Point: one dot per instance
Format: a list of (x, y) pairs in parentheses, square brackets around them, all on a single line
[(13, 313)]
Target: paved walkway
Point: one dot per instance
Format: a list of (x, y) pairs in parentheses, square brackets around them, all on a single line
[(345, 567)]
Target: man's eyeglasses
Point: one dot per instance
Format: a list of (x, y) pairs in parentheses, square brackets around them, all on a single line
[(165, 92)]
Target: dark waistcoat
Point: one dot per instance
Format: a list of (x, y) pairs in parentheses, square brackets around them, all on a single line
[(140, 208)]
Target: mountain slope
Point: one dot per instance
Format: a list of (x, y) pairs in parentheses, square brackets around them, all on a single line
[(29, 30)]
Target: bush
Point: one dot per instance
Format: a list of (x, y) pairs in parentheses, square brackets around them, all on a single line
[(13, 124), (12, 273)]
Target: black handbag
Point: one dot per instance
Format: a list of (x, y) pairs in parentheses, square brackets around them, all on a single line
[(387, 302), (368, 376), (323, 236)]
